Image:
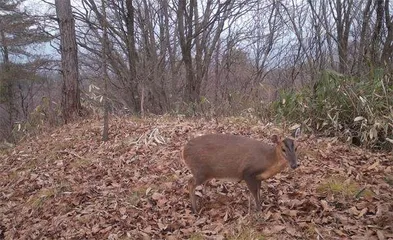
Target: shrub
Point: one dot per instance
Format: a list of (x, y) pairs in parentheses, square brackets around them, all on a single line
[(357, 109)]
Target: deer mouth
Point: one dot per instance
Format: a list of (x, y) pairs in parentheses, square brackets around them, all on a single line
[(294, 165)]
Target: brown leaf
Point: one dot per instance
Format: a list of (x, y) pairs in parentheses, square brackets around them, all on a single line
[(105, 230), (156, 196), (374, 165), (200, 221), (267, 215), (292, 231), (161, 226), (296, 202), (325, 206), (274, 229), (354, 211), (362, 212), (147, 230), (226, 216), (339, 232), (95, 229), (380, 235), (122, 210), (70, 185)]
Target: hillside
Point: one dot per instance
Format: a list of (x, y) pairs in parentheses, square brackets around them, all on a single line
[(67, 184)]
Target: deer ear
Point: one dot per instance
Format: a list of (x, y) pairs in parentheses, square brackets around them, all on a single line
[(275, 139)]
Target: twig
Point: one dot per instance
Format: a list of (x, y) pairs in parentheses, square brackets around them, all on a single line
[(319, 234), (71, 153), (136, 208), (137, 141), (360, 192)]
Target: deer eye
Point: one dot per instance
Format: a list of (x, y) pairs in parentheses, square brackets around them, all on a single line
[(283, 149)]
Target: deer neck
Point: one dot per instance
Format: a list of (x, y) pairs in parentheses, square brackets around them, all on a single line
[(278, 164)]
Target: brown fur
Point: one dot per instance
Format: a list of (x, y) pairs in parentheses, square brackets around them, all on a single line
[(232, 157)]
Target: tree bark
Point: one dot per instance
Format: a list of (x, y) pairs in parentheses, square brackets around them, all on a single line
[(387, 49), (376, 36), (185, 29), (105, 49), (132, 55), (71, 105)]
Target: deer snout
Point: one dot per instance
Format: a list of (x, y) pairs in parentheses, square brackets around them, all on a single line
[(294, 165)]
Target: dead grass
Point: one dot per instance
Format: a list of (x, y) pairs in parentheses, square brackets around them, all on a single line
[(339, 186), (38, 199), (389, 179), (246, 233), (197, 236)]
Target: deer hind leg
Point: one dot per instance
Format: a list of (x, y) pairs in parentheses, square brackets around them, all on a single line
[(258, 201), (192, 184), (191, 188), (254, 186)]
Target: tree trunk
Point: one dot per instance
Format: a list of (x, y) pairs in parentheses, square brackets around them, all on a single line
[(185, 29), (376, 36), (387, 49), (132, 55), (105, 49), (69, 60), (343, 22)]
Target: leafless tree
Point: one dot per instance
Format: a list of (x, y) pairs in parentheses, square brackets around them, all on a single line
[(105, 49), (199, 33), (69, 60)]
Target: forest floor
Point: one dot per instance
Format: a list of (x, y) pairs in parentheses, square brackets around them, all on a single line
[(68, 184)]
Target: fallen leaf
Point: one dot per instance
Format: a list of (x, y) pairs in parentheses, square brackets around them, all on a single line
[(292, 231), (374, 165), (147, 190), (339, 232), (380, 235), (122, 210), (71, 185), (362, 212), (354, 211), (161, 226), (95, 229), (267, 215), (105, 230), (200, 221), (277, 229), (325, 206)]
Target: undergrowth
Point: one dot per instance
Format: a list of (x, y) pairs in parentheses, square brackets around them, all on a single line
[(356, 109)]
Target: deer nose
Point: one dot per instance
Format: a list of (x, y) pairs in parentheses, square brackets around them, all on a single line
[(294, 165)]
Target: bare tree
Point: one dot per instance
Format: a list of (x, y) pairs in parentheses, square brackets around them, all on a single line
[(132, 53), (160, 53), (69, 60), (387, 50), (343, 16), (105, 49), (199, 35)]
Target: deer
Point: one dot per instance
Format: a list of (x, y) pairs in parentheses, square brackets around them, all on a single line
[(238, 158)]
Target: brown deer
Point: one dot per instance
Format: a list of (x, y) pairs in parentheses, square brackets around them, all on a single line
[(223, 156)]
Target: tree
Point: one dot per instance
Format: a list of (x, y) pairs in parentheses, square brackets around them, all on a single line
[(132, 54), (18, 30), (199, 35), (71, 105), (105, 49)]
